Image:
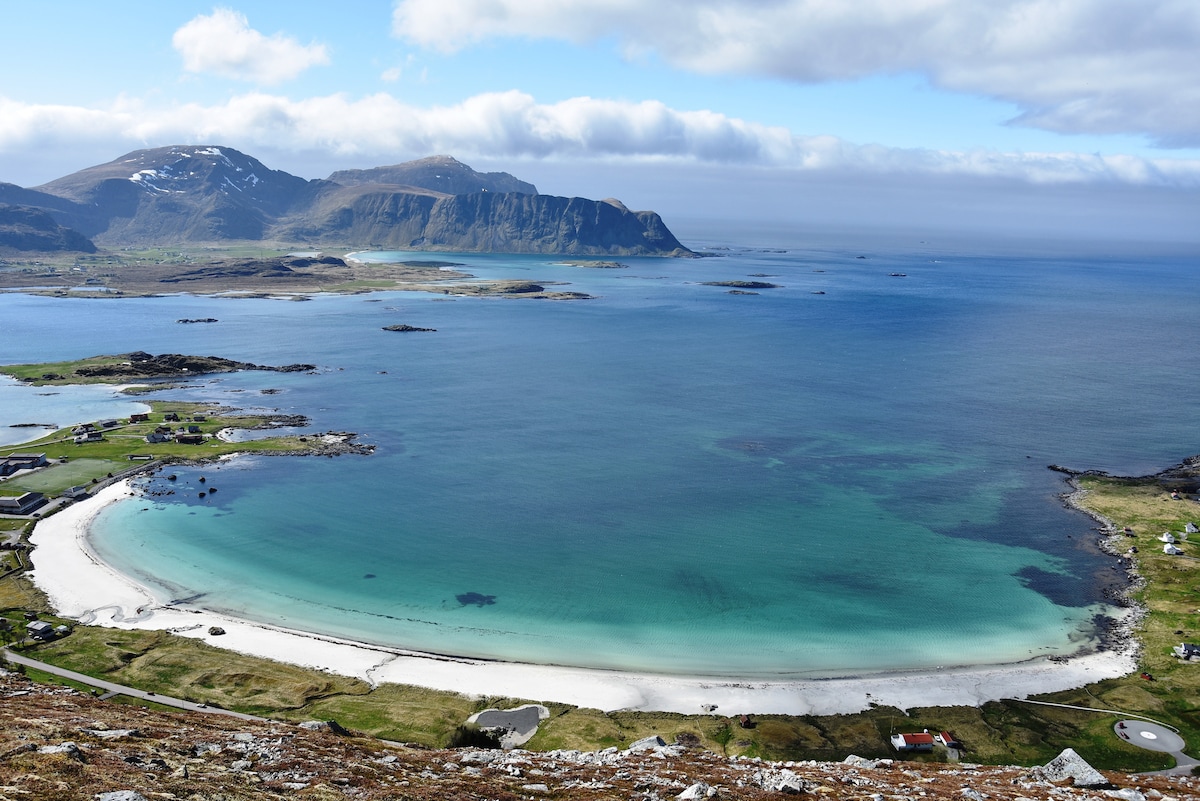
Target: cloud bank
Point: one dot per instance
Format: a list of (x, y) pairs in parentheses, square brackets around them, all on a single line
[(1072, 66), (513, 125), (223, 43)]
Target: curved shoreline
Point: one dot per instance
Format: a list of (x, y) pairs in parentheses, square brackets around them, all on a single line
[(82, 586)]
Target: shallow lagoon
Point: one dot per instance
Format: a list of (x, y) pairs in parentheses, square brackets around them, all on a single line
[(669, 477)]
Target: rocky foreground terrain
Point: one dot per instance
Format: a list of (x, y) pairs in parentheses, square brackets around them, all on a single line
[(57, 744)]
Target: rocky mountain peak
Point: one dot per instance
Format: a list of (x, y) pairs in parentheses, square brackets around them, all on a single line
[(444, 174), (181, 170)]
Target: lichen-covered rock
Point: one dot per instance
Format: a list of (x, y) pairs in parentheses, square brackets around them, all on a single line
[(697, 791), (1070, 765)]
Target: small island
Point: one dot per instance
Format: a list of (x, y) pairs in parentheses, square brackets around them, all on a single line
[(742, 284), (137, 366), (402, 328), (595, 264)]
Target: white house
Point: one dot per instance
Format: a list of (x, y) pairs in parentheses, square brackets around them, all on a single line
[(1171, 550), (913, 742)]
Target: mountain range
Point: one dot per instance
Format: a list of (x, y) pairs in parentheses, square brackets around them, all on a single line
[(211, 194)]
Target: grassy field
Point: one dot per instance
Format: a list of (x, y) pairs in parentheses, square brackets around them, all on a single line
[(1009, 732), (81, 463)]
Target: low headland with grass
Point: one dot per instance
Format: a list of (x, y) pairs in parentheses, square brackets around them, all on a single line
[(1134, 513)]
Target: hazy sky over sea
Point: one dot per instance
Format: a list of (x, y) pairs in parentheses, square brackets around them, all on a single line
[(1075, 115)]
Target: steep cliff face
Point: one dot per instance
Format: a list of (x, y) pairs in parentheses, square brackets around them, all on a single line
[(195, 193), (402, 217), (367, 216), (544, 224)]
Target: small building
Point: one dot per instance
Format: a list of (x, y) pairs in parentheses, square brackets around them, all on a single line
[(1187, 650), (171, 417), (139, 417), (21, 504), (28, 461), (193, 429), (199, 418), (1167, 536), (1172, 550), (189, 439), (22, 461), (913, 742), (76, 492), (91, 436), (1190, 528), (40, 630), (110, 423), (83, 429), (949, 740), (157, 436)]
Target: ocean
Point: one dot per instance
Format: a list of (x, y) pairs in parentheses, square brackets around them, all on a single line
[(841, 474)]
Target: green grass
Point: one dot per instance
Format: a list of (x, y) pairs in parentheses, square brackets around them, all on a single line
[(97, 460), (55, 479), (1008, 732)]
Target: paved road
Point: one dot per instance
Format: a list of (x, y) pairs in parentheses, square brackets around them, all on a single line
[(1153, 737), (120, 689)]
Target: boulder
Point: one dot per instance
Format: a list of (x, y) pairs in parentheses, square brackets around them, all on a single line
[(1070, 765), (697, 791)]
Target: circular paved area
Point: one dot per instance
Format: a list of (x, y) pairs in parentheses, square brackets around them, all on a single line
[(1150, 736)]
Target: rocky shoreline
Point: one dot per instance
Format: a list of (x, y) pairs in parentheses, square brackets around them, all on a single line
[(1122, 634)]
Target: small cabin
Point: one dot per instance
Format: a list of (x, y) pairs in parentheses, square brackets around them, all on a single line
[(76, 492), (139, 417), (189, 439), (1172, 550), (918, 742)]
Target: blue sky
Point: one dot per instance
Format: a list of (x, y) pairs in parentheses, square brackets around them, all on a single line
[(876, 110)]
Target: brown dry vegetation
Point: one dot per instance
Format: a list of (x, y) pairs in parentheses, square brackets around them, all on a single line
[(57, 744)]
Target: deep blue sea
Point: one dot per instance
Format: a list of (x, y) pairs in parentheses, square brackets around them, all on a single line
[(672, 478)]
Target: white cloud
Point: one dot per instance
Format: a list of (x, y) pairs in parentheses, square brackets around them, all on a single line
[(223, 43), (511, 125), (1099, 66)]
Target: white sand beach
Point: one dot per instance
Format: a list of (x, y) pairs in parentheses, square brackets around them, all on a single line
[(82, 587)]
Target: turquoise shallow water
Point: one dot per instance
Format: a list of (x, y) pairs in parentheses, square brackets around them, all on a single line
[(669, 477)]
